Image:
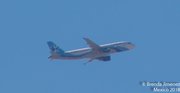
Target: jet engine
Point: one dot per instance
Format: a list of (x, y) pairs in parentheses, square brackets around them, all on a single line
[(105, 58)]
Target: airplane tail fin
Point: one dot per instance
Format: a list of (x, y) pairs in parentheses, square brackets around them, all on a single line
[(55, 48)]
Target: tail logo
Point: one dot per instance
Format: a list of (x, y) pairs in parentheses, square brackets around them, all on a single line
[(55, 48)]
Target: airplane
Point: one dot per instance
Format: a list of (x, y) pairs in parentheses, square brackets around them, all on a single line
[(99, 52)]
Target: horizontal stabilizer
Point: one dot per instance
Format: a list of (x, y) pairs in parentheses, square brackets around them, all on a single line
[(54, 54)]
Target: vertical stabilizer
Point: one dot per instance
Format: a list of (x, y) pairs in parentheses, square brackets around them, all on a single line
[(55, 48)]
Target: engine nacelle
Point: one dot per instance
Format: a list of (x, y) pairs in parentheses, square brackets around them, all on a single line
[(105, 58)]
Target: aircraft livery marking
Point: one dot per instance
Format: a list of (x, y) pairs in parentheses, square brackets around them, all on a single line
[(55, 48)]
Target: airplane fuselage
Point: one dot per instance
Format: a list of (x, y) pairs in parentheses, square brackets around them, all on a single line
[(88, 53)]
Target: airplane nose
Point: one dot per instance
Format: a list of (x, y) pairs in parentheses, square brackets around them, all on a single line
[(131, 46)]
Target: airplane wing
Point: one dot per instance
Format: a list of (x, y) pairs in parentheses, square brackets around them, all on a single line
[(89, 61), (93, 45)]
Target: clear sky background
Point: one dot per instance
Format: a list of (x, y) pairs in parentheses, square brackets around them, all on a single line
[(26, 25)]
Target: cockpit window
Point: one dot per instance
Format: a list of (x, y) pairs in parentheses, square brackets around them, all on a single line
[(129, 42)]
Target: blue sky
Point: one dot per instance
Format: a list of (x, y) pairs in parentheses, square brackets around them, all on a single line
[(26, 26)]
